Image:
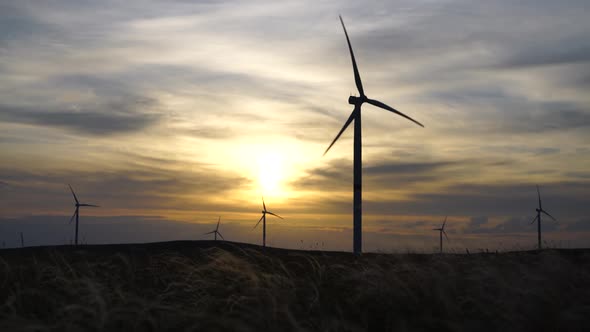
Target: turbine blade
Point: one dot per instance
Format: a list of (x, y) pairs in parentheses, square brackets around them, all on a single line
[(75, 198), (539, 194), (436, 229), (73, 215), (547, 213), (263, 205), (443, 226), (218, 221), (532, 222), (389, 108), (89, 205), (357, 76), (258, 222), (445, 233), (209, 233), (276, 215), (346, 124), (221, 236)]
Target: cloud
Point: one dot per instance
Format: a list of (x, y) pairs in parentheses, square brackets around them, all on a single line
[(563, 200), (568, 50), (109, 119), (338, 174), (147, 186), (406, 167), (475, 224), (581, 225)]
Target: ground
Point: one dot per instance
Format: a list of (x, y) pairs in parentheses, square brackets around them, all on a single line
[(224, 286)]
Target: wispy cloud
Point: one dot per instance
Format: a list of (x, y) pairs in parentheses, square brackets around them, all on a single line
[(108, 119)]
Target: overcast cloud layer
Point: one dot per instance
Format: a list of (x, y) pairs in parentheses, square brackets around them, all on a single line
[(172, 110)]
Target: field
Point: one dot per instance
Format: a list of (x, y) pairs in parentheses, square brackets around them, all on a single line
[(217, 286)]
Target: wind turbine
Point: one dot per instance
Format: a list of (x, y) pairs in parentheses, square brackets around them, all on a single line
[(263, 219), (216, 231), (356, 116), (77, 212), (441, 232), (538, 218)]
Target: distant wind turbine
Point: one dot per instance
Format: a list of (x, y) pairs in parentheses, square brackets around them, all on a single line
[(77, 212), (441, 231), (216, 231), (356, 116), (538, 218), (263, 219)]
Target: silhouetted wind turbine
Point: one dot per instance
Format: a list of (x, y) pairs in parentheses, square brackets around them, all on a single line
[(441, 232), (356, 116), (216, 231), (263, 219), (538, 218), (77, 212)]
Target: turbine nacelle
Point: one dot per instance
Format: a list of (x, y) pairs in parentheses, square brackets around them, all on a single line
[(354, 100)]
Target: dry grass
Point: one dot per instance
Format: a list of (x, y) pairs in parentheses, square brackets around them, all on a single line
[(206, 286)]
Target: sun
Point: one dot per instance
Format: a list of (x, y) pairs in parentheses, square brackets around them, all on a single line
[(271, 173)]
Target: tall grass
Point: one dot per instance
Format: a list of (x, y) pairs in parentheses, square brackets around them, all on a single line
[(243, 288)]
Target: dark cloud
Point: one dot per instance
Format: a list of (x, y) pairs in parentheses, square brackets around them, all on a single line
[(580, 225), (338, 174), (512, 225), (16, 23), (405, 167), (561, 199), (569, 50), (211, 132), (475, 224), (564, 200), (501, 111), (579, 175), (110, 119), (141, 187)]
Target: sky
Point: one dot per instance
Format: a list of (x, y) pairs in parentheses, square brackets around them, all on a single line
[(170, 114)]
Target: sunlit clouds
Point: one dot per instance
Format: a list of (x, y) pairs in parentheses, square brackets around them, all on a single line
[(178, 112)]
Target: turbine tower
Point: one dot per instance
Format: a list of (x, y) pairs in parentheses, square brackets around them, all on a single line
[(216, 231), (356, 116), (77, 212), (263, 219), (538, 218), (441, 231)]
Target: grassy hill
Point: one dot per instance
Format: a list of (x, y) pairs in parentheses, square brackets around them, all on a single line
[(223, 286)]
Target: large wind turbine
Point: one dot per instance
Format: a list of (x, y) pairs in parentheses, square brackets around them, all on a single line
[(356, 116), (441, 231), (216, 231), (263, 219), (77, 212), (538, 218)]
